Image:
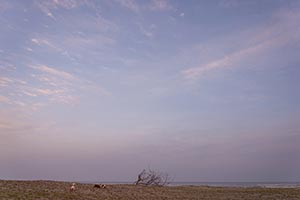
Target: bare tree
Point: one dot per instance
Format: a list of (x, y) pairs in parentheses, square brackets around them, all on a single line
[(152, 177)]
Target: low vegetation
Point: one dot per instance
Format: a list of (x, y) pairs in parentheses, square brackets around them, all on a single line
[(51, 190)]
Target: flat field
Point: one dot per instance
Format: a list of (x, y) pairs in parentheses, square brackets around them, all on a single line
[(52, 190)]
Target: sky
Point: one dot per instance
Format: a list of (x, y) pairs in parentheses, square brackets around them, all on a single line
[(97, 90)]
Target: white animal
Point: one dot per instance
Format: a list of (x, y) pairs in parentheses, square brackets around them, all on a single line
[(72, 188)]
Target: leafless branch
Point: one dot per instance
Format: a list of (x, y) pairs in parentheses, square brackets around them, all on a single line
[(152, 177)]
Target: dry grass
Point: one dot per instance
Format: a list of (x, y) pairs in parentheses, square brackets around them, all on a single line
[(51, 190)]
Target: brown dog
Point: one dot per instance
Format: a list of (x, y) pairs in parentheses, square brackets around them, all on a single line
[(100, 186)]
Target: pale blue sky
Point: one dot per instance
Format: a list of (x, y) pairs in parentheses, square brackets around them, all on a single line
[(98, 90)]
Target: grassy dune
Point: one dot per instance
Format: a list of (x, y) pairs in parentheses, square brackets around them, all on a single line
[(51, 190)]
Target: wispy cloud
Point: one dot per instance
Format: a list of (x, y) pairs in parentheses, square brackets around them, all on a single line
[(130, 4), (154, 5), (5, 81), (147, 31), (53, 71), (227, 61), (5, 5), (39, 41), (44, 42), (87, 35), (262, 40), (161, 5), (48, 6), (82, 42), (67, 4), (49, 91), (62, 86), (44, 7), (6, 65), (42, 85), (13, 122), (229, 3), (29, 49), (4, 99), (55, 84), (5, 126)]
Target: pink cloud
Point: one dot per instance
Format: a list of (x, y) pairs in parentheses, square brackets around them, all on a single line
[(53, 71), (4, 99), (262, 40)]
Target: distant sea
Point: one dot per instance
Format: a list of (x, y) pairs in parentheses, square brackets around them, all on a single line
[(222, 184), (242, 184)]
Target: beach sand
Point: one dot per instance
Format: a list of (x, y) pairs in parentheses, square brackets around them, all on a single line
[(53, 190)]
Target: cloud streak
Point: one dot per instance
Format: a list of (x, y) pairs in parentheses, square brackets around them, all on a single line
[(227, 61), (161, 5), (263, 40), (53, 71), (49, 6), (50, 83), (153, 5), (130, 4)]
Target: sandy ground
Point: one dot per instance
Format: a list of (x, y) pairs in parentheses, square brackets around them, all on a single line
[(51, 190)]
